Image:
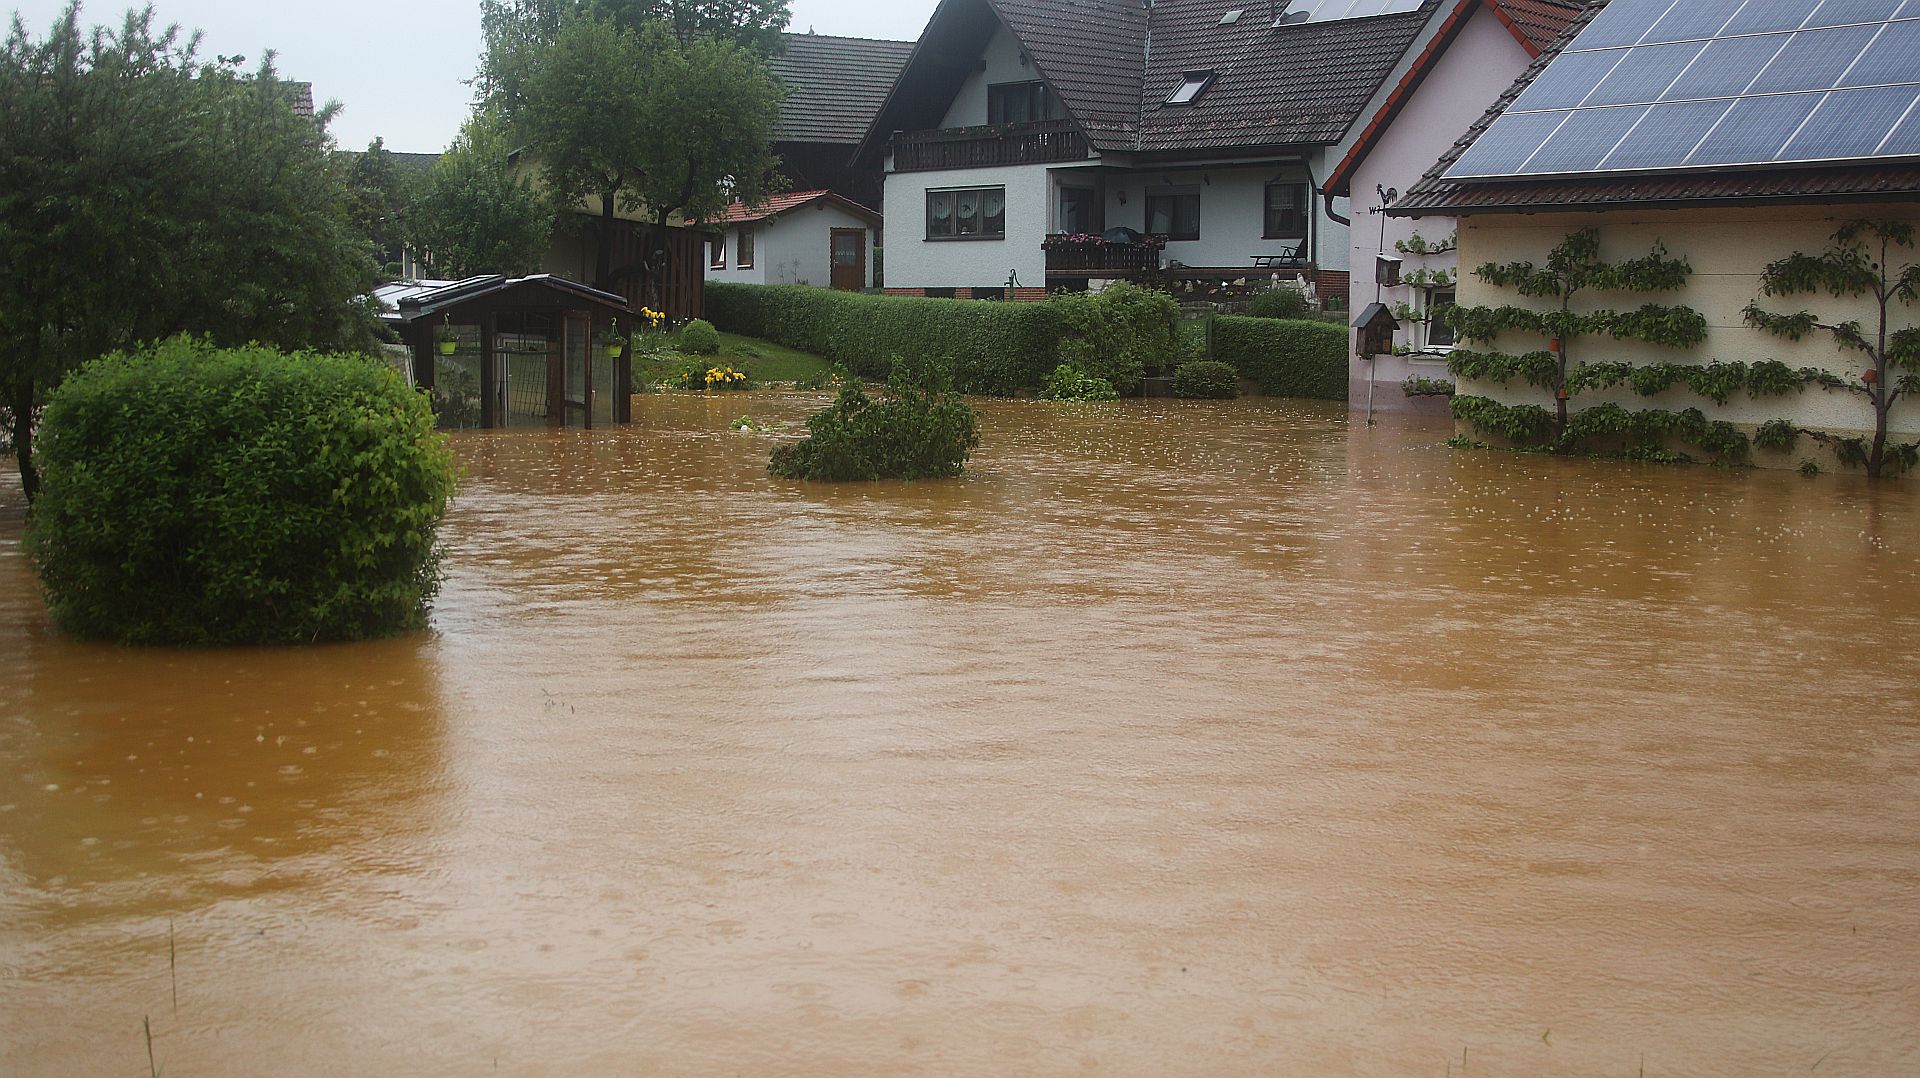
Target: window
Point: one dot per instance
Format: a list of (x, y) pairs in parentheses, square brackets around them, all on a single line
[(1079, 211), (1286, 210), (1020, 102), (976, 213), (1192, 84), (743, 253), (1174, 212), (717, 252), (1439, 334)]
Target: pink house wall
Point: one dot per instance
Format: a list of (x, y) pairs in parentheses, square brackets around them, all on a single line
[(1475, 69)]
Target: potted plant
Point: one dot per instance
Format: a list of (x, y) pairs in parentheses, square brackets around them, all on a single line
[(614, 341), (446, 336)]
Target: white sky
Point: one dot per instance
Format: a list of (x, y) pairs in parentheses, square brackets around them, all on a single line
[(398, 66)]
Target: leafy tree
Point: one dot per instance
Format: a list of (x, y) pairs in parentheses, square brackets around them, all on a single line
[(1574, 266), (381, 194), (1857, 263), (510, 27), (144, 193), (476, 213), (634, 121)]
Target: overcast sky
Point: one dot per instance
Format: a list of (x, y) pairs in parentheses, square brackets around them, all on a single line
[(398, 66)]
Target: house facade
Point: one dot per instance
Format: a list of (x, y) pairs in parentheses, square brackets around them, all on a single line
[(1412, 267), (1035, 144), (805, 237), (1748, 153)]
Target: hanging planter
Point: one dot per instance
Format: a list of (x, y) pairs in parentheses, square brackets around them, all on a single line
[(448, 348), (445, 336), (614, 343)]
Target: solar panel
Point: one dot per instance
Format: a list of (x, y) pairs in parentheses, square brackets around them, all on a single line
[(1677, 84)]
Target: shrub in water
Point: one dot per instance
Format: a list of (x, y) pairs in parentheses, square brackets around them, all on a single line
[(197, 495), (1068, 384), (1206, 379), (922, 430), (1117, 333), (1280, 302), (700, 338), (1285, 359)]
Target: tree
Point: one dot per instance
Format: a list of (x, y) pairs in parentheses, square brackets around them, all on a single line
[(638, 123), (1857, 263), (1574, 266), (476, 214), (144, 193), (509, 27), (382, 193)]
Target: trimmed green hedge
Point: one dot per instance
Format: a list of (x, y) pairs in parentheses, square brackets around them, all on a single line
[(197, 495), (992, 348), (1285, 358)]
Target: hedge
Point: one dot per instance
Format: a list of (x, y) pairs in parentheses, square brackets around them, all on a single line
[(993, 348), (1285, 358), (196, 495)]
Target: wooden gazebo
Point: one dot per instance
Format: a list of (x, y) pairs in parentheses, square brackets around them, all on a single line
[(525, 350)]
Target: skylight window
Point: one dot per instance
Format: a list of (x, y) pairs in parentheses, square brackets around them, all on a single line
[(1330, 10), (1232, 17), (1191, 85)]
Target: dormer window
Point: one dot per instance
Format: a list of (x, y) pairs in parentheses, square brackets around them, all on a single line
[(1192, 84)]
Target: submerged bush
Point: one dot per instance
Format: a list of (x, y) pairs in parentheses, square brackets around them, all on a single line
[(1067, 384), (1117, 333), (1283, 358), (922, 430), (1206, 379), (700, 338), (197, 495)]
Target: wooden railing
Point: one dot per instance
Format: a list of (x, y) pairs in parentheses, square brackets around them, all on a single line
[(981, 147), (1101, 259)]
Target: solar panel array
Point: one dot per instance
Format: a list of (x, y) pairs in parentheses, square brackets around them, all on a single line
[(1328, 10), (1680, 84)]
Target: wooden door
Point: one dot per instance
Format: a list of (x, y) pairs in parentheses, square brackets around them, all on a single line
[(849, 254)]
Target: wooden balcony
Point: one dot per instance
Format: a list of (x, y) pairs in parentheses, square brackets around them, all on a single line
[(1039, 143)]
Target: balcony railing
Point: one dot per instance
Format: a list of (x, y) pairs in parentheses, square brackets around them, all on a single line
[(980, 147), (1099, 258)]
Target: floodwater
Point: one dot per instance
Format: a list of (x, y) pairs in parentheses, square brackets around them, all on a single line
[(1175, 739)]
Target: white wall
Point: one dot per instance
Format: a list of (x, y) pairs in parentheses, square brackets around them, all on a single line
[(1003, 64), (733, 274), (1232, 213), (913, 261), (1727, 248), (1475, 69)]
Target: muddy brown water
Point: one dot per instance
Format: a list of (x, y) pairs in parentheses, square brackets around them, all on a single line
[(1174, 739)]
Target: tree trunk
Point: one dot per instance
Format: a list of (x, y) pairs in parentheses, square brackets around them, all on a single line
[(603, 245), (1877, 455), (23, 437)]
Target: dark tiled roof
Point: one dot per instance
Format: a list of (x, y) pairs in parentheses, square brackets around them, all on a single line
[(1541, 22), (1092, 53), (302, 95), (1856, 181), (834, 85), (1304, 83)]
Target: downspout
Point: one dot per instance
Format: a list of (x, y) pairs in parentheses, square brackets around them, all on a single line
[(1326, 203)]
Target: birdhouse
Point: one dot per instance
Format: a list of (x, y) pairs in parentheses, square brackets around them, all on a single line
[(1376, 325), (1386, 270)]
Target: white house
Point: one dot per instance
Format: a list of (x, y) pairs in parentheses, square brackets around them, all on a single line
[(1481, 47), (803, 237), (1023, 136)]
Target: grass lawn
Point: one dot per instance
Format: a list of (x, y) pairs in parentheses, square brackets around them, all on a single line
[(762, 360)]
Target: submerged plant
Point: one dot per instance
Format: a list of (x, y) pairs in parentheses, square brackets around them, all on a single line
[(920, 430)]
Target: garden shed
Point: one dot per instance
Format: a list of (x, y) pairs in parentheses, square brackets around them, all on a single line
[(525, 351)]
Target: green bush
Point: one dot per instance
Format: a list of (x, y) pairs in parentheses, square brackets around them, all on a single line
[(700, 338), (1117, 333), (197, 495), (992, 348), (1206, 379), (1068, 384), (1281, 303), (1285, 358), (922, 430)]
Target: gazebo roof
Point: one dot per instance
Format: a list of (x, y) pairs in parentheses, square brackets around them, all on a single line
[(414, 300)]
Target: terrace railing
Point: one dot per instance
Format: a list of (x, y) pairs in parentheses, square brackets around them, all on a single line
[(1074, 257)]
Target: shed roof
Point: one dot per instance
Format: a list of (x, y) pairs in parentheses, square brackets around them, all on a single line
[(835, 85), (414, 300), (740, 212)]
